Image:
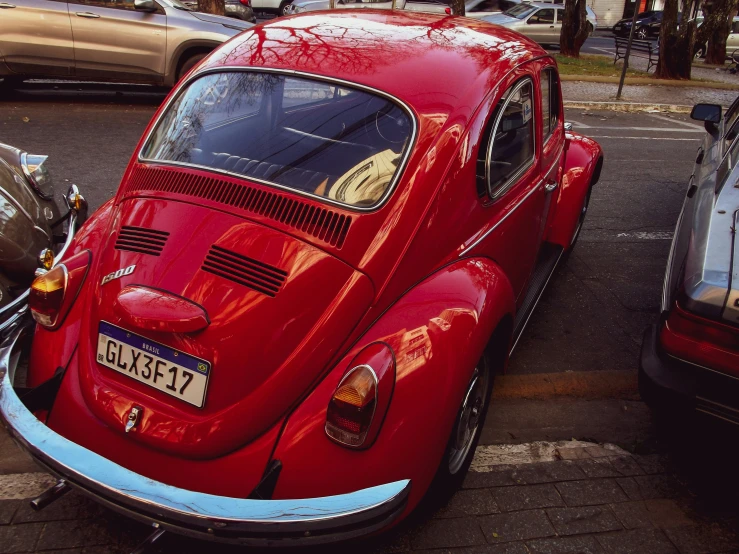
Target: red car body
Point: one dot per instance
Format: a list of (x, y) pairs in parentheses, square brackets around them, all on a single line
[(419, 287)]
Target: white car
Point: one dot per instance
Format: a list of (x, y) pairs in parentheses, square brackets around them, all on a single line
[(478, 9), (540, 21), (433, 6)]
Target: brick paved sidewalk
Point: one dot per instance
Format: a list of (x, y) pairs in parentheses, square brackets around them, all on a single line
[(594, 500)]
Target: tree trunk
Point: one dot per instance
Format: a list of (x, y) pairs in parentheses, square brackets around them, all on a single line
[(715, 29), (457, 7), (675, 44), (217, 7), (575, 28)]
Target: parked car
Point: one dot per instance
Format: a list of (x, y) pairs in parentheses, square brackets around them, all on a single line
[(647, 25), (32, 234), (690, 357), (732, 41), (433, 6), (479, 8), (145, 41), (540, 21), (238, 9), (284, 327)]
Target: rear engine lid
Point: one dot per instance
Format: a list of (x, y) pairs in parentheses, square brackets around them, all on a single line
[(262, 313)]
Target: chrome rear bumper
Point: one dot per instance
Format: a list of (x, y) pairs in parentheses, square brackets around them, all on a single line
[(238, 520)]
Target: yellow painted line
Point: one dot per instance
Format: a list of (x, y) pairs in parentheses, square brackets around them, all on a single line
[(650, 81), (578, 384)]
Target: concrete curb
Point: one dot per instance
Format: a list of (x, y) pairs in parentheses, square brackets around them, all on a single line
[(620, 106), (622, 385), (650, 81)]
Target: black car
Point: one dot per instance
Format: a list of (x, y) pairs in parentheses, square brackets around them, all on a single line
[(647, 25)]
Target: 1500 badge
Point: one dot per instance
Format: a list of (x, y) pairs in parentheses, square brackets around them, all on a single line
[(118, 274)]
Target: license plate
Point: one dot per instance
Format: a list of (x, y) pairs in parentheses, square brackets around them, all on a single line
[(171, 371)]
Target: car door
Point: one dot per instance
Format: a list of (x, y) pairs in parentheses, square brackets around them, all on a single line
[(552, 140), (113, 40), (514, 194), (540, 26), (732, 41), (36, 37)]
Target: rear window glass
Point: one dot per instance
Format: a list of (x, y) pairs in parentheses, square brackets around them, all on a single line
[(314, 137)]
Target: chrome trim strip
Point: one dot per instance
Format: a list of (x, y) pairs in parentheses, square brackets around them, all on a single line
[(289, 72), (188, 512), (501, 220), (536, 303), (513, 178)]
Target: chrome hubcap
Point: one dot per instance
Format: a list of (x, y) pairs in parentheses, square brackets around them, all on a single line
[(468, 420)]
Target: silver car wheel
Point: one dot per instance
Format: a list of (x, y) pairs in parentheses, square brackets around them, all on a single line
[(469, 418)]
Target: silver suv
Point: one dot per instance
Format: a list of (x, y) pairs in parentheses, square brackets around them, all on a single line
[(144, 41)]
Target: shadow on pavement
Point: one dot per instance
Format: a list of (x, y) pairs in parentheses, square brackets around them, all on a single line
[(90, 93)]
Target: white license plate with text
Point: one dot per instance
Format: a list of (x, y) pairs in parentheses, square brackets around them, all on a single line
[(171, 371)]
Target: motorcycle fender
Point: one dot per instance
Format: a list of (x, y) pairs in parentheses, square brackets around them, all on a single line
[(438, 332), (583, 163)]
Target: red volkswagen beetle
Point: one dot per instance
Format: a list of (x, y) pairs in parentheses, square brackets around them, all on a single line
[(285, 325)]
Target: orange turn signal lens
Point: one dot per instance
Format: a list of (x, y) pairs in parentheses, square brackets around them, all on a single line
[(352, 407), (47, 295)]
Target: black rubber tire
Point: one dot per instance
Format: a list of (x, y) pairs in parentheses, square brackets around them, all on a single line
[(446, 483), (581, 221), (641, 33), (700, 52), (590, 29), (189, 63), (283, 7)]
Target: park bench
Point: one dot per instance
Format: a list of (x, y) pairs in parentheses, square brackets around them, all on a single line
[(639, 48)]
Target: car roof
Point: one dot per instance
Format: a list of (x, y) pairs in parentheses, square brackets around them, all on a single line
[(437, 64)]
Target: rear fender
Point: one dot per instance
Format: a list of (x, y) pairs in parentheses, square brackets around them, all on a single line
[(438, 331), (53, 349), (583, 162)]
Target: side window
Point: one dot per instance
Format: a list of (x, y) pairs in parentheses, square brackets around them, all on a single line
[(511, 147), (728, 163), (115, 4), (542, 17), (549, 102)]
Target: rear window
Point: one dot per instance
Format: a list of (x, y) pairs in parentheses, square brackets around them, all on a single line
[(339, 143)]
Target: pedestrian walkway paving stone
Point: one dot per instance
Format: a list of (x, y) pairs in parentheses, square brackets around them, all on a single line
[(594, 502)]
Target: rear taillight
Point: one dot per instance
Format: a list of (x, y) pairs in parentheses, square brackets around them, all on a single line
[(701, 341), (360, 401), (352, 407), (246, 3), (53, 293)]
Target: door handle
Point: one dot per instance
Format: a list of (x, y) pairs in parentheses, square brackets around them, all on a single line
[(549, 186), (88, 15), (6, 6)]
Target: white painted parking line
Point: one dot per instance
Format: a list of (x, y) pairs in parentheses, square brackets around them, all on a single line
[(649, 129), (639, 138), (610, 51), (644, 235), (487, 457), (700, 128)]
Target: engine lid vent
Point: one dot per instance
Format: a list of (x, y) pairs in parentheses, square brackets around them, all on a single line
[(140, 239), (244, 271), (326, 225)]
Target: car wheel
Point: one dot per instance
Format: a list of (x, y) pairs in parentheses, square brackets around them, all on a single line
[(641, 33), (284, 6), (590, 29), (464, 436), (700, 52), (189, 63)]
